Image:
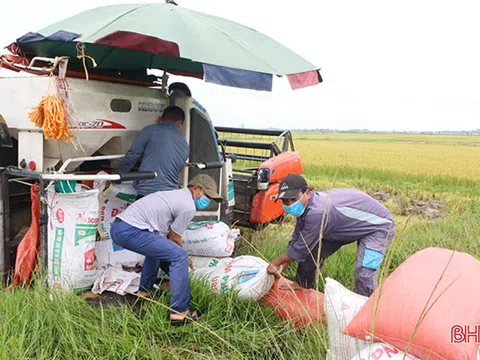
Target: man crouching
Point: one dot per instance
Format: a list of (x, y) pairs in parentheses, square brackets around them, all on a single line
[(153, 226), (328, 220)]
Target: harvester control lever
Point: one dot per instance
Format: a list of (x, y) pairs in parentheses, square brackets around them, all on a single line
[(206, 165), (141, 175)]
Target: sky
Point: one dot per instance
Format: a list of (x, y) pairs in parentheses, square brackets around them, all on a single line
[(410, 65)]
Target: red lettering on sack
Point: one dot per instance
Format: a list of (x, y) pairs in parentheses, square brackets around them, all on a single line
[(92, 220), (102, 213), (214, 284), (115, 212), (229, 267), (60, 216), (377, 354), (89, 259), (390, 351)]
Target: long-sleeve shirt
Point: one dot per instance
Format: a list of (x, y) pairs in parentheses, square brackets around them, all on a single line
[(164, 150), (343, 215)]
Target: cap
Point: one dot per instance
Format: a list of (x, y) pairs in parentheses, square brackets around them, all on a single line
[(208, 185), (291, 186)]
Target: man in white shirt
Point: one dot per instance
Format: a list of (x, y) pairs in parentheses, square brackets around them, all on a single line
[(153, 226)]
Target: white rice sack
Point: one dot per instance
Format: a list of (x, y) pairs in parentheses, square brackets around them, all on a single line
[(110, 254), (245, 274), (113, 201), (341, 306), (100, 184), (200, 262), (381, 351), (72, 228), (209, 238), (116, 280)]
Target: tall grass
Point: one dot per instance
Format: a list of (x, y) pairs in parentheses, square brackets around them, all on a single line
[(37, 325)]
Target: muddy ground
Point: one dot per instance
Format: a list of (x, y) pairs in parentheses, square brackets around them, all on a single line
[(425, 206)]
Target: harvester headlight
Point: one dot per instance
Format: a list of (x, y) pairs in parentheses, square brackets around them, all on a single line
[(263, 179)]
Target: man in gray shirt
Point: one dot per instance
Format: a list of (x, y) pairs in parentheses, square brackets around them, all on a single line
[(163, 150), (326, 221), (154, 226)]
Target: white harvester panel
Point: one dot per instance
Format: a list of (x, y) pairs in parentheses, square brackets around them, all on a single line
[(31, 147), (109, 115)]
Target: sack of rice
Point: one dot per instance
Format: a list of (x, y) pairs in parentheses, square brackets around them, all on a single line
[(113, 201), (381, 351), (247, 275), (341, 306), (210, 238)]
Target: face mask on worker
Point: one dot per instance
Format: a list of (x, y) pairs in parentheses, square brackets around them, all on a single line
[(296, 209), (202, 203)]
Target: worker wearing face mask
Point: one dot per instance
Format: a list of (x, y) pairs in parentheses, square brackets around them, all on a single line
[(326, 221), (154, 226)]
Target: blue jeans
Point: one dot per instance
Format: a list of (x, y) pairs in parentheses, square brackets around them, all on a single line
[(159, 252)]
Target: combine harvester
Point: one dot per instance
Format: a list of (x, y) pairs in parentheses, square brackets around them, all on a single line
[(110, 115), (108, 106)]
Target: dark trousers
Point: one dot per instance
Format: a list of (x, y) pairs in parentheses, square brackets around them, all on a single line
[(370, 252)]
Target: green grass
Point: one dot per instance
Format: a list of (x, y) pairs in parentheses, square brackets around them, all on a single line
[(36, 325), (432, 209)]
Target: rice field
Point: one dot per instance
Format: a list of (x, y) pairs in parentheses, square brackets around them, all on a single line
[(435, 156), (430, 183)]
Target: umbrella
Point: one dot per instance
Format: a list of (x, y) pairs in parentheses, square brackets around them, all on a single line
[(124, 40)]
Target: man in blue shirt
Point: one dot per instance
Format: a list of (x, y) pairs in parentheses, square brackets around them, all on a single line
[(328, 220), (163, 150)]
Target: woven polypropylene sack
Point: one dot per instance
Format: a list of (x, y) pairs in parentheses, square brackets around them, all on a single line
[(109, 254), (72, 228), (210, 239), (445, 282), (341, 306), (381, 351), (113, 201), (245, 274), (304, 307), (200, 262)]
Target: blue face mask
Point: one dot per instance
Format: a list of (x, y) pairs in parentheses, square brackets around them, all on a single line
[(296, 209), (202, 203)]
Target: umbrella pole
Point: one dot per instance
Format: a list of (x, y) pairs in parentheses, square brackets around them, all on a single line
[(164, 82)]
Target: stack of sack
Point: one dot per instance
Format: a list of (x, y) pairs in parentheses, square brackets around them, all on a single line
[(210, 245), (118, 268), (76, 261), (72, 227), (112, 202), (428, 307)]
